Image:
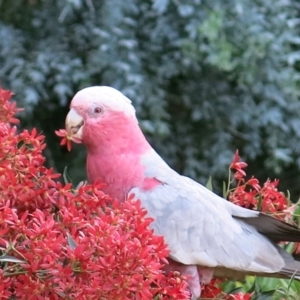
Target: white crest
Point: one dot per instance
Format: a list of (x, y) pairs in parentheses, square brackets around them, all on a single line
[(107, 96)]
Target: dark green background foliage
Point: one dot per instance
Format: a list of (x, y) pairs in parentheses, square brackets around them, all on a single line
[(206, 76)]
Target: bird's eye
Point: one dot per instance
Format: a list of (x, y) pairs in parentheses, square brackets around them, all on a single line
[(97, 110)]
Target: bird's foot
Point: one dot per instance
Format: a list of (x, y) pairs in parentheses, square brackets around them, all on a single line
[(206, 274), (190, 272)]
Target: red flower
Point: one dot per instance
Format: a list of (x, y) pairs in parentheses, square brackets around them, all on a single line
[(66, 138), (240, 296), (60, 243), (251, 195), (272, 199), (238, 166), (212, 290), (8, 109), (253, 183)]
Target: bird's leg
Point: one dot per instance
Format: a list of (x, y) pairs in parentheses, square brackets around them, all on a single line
[(191, 274), (206, 274)]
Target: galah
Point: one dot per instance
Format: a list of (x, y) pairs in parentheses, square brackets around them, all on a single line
[(206, 235)]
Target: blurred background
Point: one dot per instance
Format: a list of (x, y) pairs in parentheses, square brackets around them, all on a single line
[(207, 77)]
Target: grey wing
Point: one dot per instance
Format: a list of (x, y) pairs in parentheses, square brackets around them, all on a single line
[(200, 229)]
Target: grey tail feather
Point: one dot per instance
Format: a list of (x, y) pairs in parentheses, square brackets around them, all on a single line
[(292, 266), (296, 257), (274, 229), (290, 270)]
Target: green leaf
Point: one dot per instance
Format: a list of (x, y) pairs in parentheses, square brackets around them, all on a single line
[(80, 184), (289, 247), (235, 290), (66, 176), (253, 287), (8, 258), (259, 294), (71, 242), (224, 188), (267, 295), (209, 184)]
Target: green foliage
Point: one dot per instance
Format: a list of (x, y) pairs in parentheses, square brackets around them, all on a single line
[(264, 288), (206, 77)]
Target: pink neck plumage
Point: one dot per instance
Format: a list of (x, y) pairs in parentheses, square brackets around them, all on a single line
[(114, 149)]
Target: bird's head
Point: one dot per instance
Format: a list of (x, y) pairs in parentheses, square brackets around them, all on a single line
[(96, 111)]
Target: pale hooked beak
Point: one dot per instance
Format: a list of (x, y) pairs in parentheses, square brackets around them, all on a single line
[(74, 125)]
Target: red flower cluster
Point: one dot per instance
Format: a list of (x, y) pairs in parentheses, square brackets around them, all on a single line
[(250, 194), (60, 243), (8, 109), (214, 291), (266, 198)]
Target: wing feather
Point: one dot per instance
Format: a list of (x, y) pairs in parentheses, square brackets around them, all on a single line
[(200, 227)]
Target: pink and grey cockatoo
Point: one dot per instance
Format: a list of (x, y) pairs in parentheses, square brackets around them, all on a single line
[(206, 234)]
